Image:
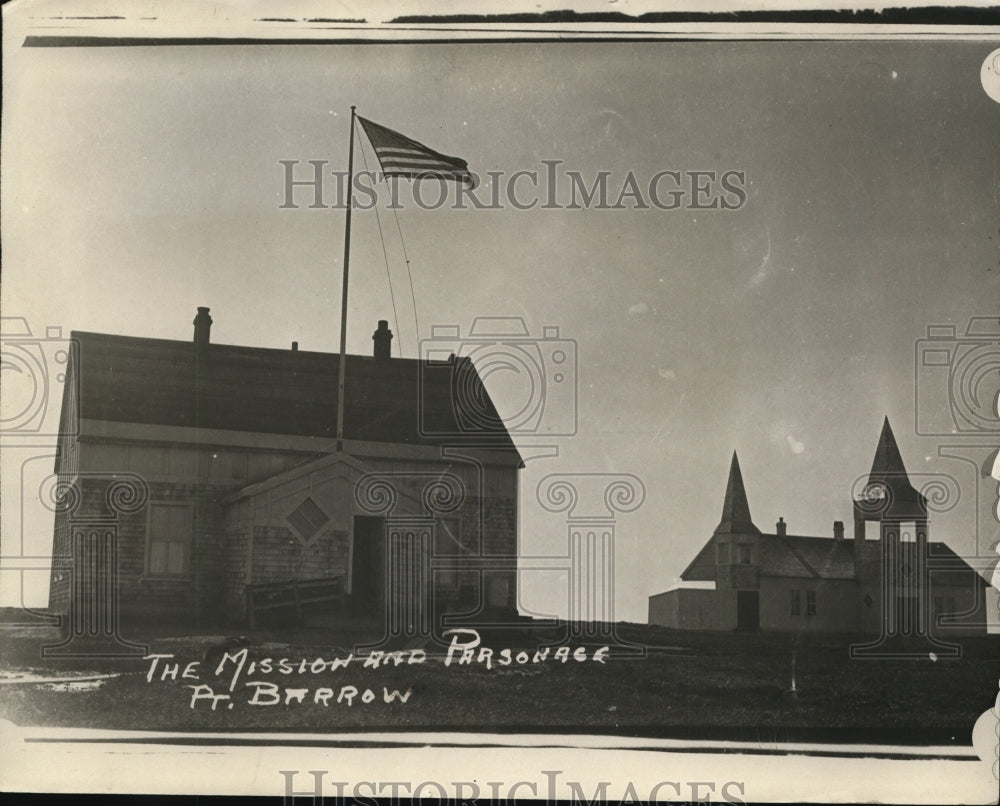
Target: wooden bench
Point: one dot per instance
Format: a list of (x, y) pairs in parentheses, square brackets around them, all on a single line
[(292, 596)]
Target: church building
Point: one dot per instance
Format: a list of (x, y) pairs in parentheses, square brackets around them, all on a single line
[(894, 580)]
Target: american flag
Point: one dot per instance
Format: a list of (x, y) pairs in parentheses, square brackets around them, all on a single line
[(401, 156)]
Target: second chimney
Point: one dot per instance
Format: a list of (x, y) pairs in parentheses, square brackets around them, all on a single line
[(383, 341), (781, 528), (202, 327), (838, 530)]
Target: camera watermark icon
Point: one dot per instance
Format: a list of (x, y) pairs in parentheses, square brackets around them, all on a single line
[(536, 377), (31, 367), (957, 379)]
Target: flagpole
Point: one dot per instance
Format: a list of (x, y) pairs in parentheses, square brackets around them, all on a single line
[(343, 300)]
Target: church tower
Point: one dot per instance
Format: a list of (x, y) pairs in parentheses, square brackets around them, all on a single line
[(892, 572), (735, 509), (737, 545)]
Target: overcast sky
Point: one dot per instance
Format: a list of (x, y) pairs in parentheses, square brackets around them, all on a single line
[(139, 183)]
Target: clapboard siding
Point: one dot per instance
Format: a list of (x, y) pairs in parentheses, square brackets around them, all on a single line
[(241, 499)]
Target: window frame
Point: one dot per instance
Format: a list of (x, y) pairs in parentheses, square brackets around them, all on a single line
[(187, 544), (810, 603), (795, 603)]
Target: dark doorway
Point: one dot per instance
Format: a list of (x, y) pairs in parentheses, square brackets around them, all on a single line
[(748, 611), (368, 566)]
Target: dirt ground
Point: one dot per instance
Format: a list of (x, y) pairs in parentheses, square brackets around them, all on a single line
[(683, 685)]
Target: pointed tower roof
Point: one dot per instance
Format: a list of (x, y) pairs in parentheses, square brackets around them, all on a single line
[(888, 461), (888, 470), (735, 509)]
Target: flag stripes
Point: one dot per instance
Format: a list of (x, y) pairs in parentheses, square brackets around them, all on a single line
[(399, 155)]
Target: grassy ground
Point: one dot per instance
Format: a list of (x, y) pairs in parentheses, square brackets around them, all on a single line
[(712, 685)]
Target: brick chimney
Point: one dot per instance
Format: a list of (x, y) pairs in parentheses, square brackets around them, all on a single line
[(202, 328), (838, 530), (383, 341), (781, 528)]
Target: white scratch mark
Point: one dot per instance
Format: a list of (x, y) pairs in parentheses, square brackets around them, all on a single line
[(668, 421), (761, 274)]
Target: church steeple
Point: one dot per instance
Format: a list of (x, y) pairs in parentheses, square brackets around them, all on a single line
[(889, 472), (888, 461), (735, 509)]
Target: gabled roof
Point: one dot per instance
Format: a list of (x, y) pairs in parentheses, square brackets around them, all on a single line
[(799, 556), (160, 382), (827, 558), (735, 509), (784, 556), (945, 566), (702, 567)]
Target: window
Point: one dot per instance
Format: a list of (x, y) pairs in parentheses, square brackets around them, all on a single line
[(447, 543), (810, 603), (723, 549), (796, 606), (746, 554), (169, 535)]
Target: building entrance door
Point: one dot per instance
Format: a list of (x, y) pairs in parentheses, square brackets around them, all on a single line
[(748, 611), (368, 567)]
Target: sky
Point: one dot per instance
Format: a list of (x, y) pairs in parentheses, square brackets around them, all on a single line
[(141, 182)]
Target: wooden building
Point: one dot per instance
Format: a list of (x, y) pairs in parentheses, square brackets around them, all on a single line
[(893, 579), (219, 469)]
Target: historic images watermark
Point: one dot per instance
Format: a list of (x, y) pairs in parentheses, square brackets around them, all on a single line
[(550, 786), (309, 184)]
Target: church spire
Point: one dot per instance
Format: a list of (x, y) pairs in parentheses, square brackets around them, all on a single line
[(888, 471), (888, 461), (735, 509)]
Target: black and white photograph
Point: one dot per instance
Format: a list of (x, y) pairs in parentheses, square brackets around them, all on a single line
[(479, 402)]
